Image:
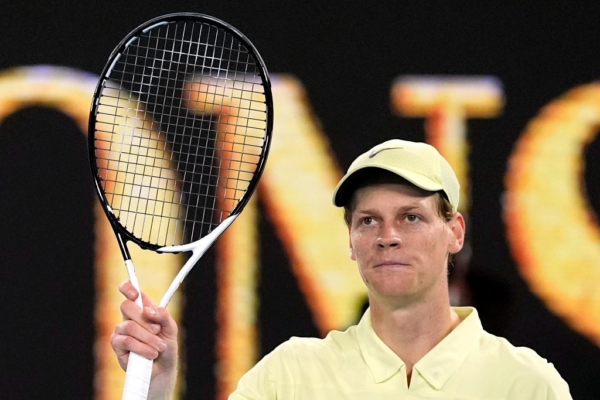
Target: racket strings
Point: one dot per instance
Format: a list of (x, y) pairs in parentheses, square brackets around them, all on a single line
[(180, 131)]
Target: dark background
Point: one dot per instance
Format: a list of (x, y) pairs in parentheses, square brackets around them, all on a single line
[(347, 55)]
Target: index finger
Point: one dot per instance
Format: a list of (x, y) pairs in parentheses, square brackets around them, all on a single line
[(129, 291)]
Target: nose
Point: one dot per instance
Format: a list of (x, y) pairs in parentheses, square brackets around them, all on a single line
[(389, 237)]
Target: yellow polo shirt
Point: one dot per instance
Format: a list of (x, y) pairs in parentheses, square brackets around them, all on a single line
[(468, 364)]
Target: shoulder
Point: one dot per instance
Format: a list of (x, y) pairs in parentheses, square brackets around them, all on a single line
[(297, 359), (334, 344), (514, 357), (524, 369), (302, 355)]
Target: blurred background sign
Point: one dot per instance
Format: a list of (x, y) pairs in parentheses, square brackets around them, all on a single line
[(506, 93)]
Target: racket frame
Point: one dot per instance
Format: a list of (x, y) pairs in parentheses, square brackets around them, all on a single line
[(123, 235), (139, 369)]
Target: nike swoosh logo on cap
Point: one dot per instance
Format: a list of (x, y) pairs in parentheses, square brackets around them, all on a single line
[(375, 152)]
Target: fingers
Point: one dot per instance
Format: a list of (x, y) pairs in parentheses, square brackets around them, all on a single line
[(160, 316), (149, 317), (131, 337), (155, 319), (130, 309), (150, 332), (130, 292), (168, 333), (127, 289)]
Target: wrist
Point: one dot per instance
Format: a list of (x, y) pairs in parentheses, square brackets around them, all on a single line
[(163, 385)]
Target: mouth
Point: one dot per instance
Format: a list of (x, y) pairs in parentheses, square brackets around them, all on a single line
[(391, 264)]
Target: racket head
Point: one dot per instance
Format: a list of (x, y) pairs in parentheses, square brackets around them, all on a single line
[(180, 129)]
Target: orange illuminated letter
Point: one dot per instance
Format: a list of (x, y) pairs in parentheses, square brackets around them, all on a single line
[(446, 103), (552, 230)]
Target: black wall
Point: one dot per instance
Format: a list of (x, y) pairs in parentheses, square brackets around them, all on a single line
[(347, 55)]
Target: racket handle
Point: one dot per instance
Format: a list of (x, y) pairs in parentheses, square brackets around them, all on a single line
[(137, 378), (139, 369)]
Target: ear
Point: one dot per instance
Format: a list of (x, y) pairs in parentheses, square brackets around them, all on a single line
[(457, 235)]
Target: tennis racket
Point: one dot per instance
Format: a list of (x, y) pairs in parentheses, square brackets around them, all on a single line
[(179, 133)]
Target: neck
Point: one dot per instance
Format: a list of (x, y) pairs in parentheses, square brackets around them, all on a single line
[(412, 330)]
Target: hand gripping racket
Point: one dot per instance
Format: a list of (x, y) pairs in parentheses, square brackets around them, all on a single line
[(179, 132)]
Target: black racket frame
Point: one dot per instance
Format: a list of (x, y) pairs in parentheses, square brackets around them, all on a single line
[(122, 234)]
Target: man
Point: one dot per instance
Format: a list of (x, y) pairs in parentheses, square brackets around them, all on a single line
[(400, 200)]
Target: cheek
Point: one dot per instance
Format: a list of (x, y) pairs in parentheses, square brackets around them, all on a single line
[(436, 243), (429, 243), (355, 252), (358, 241)]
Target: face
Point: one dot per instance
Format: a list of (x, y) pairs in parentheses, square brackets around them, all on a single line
[(401, 244)]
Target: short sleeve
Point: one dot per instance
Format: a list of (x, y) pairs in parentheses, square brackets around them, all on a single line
[(545, 384), (259, 383)]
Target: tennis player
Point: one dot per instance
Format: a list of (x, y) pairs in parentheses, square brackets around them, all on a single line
[(400, 200)]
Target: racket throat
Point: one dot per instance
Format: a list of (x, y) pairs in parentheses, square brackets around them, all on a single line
[(198, 248)]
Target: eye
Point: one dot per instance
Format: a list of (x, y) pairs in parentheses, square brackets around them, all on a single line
[(367, 221), (412, 218)]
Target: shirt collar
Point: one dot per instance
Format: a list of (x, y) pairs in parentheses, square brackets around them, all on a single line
[(380, 359), (437, 365)]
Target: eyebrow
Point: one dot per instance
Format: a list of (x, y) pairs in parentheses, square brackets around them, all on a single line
[(405, 208)]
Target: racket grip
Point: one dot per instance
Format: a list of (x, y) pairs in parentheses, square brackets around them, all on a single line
[(137, 378)]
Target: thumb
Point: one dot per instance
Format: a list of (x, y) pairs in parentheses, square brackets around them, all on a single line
[(160, 316)]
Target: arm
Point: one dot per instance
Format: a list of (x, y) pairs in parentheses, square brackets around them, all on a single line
[(152, 333)]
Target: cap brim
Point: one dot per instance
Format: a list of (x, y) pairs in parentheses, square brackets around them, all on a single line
[(347, 184)]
